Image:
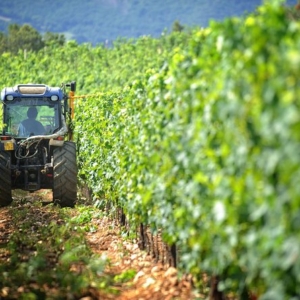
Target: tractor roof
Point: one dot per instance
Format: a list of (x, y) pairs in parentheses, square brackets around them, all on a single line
[(30, 90)]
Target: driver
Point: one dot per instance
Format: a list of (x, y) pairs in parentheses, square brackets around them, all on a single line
[(31, 126)]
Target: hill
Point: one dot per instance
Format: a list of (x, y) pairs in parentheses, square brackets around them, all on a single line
[(98, 21)]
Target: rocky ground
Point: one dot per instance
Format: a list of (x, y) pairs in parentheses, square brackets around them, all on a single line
[(144, 278), (152, 280)]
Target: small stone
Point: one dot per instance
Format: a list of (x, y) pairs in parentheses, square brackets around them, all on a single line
[(149, 281), (171, 272), (138, 276), (155, 270)]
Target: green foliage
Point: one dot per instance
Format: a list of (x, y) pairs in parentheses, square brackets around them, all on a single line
[(54, 39), (26, 38), (125, 276), (48, 256), (177, 26), (206, 149), (23, 37), (1, 118), (84, 218), (94, 68)]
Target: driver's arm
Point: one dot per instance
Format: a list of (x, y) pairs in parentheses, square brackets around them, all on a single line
[(21, 130)]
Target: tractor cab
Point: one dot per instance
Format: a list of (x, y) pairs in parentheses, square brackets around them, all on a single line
[(31, 110)]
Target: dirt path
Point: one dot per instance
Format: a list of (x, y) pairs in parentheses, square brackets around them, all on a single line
[(152, 280), (148, 279)]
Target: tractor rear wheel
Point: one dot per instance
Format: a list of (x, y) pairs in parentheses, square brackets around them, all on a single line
[(5, 179), (65, 175)]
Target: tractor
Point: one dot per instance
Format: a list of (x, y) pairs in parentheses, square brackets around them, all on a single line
[(36, 142)]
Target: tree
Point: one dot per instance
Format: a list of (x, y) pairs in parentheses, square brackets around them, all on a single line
[(27, 38), (177, 26), (23, 37), (54, 39), (3, 42)]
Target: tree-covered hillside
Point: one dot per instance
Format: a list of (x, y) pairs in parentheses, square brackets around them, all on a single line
[(97, 21)]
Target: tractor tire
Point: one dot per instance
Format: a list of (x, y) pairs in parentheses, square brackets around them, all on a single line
[(5, 179), (65, 175)]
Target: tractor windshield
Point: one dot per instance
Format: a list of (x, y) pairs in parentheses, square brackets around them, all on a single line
[(28, 117)]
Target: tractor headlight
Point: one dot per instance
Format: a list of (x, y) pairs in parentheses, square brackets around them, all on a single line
[(9, 97), (54, 98)]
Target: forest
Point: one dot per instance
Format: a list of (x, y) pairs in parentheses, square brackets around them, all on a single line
[(103, 21)]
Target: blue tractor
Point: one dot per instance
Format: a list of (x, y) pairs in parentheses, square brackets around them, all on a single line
[(36, 147)]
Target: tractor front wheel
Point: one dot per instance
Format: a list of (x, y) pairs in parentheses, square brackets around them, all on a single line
[(65, 175)]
